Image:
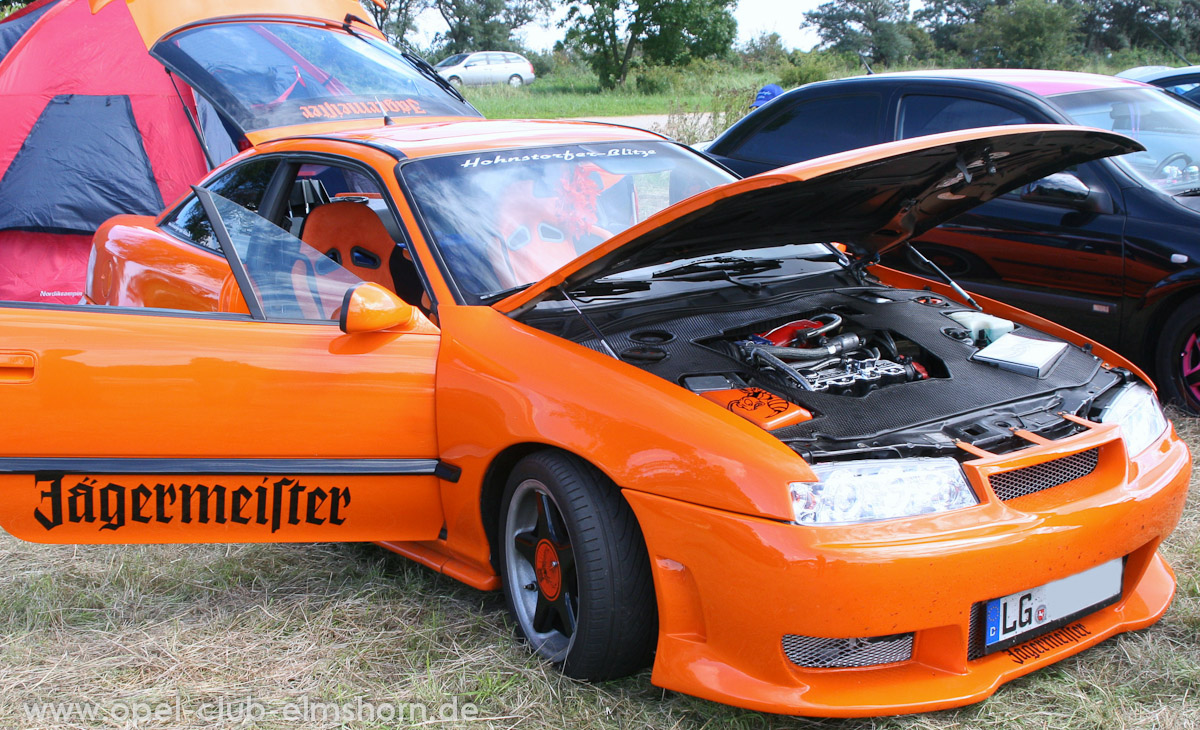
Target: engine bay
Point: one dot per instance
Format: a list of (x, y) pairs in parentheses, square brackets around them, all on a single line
[(857, 372), (824, 353)]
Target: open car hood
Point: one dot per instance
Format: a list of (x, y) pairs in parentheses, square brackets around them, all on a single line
[(870, 199)]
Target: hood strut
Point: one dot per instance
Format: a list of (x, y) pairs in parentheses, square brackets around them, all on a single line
[(945, 277), (588, 321)]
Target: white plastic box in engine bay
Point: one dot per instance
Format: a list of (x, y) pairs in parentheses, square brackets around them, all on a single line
[(984, 328), (1023, 355)]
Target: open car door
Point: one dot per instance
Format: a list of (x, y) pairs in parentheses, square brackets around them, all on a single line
[(132, 425)]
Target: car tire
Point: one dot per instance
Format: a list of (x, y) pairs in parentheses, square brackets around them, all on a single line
[(455, 81), (516, 81), (575, 568), (1177, 357)]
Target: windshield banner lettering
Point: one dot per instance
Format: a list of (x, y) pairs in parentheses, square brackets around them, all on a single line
[(341, 110), (566, 156)]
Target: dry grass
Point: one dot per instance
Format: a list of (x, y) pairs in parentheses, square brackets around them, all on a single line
[(197, 624), (705, 120)]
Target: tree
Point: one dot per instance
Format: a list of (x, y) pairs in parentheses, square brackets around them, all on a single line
[(397, 18), (479, 25), (945, 19), (8, 7), (764, 51), (1119, 24), (680, 31), (1026, 34), (873, 27), (608, 32)]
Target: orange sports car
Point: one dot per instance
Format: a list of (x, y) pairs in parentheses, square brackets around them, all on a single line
[(678, 418)]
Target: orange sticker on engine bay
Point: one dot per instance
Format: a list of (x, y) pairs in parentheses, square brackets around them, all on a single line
[(760, 407)]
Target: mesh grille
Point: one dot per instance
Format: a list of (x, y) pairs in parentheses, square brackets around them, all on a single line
[(1020, 482), (975, 633), (818, 653)]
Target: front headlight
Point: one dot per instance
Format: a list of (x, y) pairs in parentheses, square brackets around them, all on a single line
[(1136, 408), (880, 489)]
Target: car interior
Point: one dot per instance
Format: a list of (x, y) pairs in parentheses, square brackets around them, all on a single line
[(343, 215), (340, 213)]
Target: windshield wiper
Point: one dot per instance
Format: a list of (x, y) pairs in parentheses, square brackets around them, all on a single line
[(431, 73), (422, 66), (503, 293), (603, 288), (727, 265), (1189, 193), (721, 268)]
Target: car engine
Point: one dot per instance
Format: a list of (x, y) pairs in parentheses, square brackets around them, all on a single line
[(856, 372), (819, 357)]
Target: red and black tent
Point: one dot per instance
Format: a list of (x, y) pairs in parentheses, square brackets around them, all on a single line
[(117, 106), (93, 127)]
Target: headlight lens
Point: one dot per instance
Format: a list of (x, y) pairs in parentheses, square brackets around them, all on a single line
[(1136, 408), (880, 489)]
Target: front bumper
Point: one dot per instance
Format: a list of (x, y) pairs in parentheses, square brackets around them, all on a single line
[(731, 587)]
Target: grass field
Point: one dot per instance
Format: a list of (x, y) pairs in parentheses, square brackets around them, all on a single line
[(579, 95), (190, 626), (701, 88)]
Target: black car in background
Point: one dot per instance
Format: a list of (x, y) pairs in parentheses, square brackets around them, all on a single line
[(1184, 81), (1110, 248)]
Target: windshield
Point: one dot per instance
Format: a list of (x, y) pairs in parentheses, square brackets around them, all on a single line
[(276, 74), (452, 61), (1168, 127), (506, 219)]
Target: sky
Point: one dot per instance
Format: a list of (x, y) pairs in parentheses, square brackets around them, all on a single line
[(753, 16)]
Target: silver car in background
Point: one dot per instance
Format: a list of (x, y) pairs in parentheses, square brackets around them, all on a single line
[(486, 67)]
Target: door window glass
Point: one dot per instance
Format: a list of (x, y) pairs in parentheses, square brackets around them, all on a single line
[(288, 278), (245, 185), (814, 129), (922, 114)]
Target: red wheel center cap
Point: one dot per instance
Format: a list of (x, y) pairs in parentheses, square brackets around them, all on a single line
[(549, 571)]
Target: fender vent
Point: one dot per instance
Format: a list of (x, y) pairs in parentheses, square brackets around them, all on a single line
[(1031, 479), (812, 652)]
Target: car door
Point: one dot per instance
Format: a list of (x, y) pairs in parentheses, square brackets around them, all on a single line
[(475, 70), (1052, 251), (497, 68), (140, 425)]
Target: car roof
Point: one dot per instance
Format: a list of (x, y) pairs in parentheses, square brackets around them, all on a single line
[(450, 135), (1151, 74), (1036, 81)]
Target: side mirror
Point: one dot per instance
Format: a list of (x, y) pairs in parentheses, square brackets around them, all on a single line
[(1064, 188), (368, 307)]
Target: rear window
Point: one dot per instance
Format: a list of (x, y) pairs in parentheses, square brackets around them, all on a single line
[(276, 74)]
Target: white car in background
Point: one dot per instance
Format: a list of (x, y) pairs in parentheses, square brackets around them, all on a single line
[(486, 67)]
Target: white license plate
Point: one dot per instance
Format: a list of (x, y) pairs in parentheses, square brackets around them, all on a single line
[(1011, 617)]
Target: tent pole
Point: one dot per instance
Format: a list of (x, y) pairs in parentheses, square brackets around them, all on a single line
[(192, 120)]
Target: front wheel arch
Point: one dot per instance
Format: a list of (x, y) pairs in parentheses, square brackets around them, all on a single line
[(1176, 338), (603, 595), (492, 491)]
